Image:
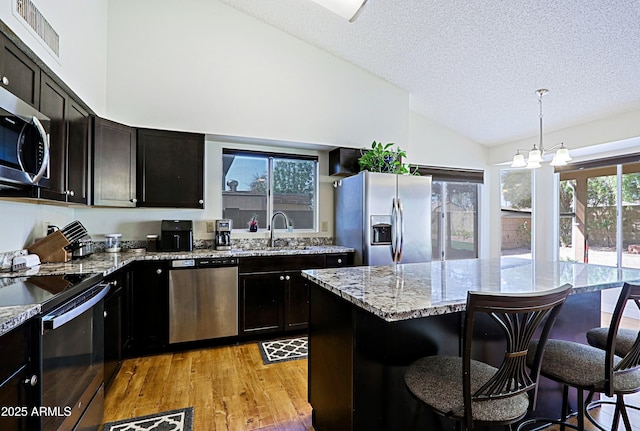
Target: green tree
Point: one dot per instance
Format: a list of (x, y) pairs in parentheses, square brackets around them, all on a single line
[(601, 200), (294, 176), (259, 183), (516, 188)]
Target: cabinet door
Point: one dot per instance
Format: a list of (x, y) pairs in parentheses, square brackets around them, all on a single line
[(18, 73), (260, 303), (78, 154), (296, 302), (170, 169), (114, 164), (112, 334), (53, 104), (149, 307), (17, 388)]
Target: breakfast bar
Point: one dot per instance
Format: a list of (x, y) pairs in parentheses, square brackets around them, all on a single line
[(368, 323)]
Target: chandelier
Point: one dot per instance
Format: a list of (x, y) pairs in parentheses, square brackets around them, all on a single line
[(560, 157)]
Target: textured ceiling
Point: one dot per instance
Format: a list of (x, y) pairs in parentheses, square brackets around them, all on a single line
[(474, 66)]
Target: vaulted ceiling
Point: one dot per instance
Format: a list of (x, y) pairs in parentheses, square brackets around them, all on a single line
[(474, 66)]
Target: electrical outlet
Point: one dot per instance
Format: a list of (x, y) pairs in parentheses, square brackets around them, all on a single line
[(324, 226), (211, 227)]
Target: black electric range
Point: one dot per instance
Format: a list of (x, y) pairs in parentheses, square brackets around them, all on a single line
[(47, 290)]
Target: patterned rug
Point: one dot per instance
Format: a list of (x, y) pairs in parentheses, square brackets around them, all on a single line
[(287, 349), (174, 420)]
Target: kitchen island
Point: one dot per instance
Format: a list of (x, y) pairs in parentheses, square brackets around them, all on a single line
[(368, 323)]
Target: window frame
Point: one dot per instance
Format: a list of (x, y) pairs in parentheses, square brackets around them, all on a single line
[(271, 158)]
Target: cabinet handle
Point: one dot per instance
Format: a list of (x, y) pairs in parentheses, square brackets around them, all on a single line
[(105, 314), (5, 80), (134, 200), (287, 277), (31, 381), (69, 193), (339, 260), (158, 271), (281, 277), (115, 283), (201, 201)]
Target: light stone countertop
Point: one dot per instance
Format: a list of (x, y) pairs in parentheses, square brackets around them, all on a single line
[(108, 263), (408, 291)]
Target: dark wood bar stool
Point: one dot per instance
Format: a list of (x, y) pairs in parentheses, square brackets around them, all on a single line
[(472, 392), (593, 369)]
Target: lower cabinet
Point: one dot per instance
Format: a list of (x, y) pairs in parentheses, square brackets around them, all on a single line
[(148, 308), (116, 325), (17, 382), (274, 296)]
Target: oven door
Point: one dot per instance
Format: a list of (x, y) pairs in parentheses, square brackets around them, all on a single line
[(72, 361)]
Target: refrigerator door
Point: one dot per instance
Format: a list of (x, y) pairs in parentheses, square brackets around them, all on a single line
[(348, 209), (414, 196), (380, 192)]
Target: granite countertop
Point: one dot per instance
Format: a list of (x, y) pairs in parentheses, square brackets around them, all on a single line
[(107, 263), (408, 291)]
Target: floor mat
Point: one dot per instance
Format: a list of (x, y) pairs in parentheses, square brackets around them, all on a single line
[(287, 349), (174, 420)]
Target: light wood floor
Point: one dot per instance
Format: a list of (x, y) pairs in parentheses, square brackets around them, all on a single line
[(229, 388)]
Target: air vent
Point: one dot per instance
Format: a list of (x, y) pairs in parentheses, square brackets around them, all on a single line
[(34, 19)]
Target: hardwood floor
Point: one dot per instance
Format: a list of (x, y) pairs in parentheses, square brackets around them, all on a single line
[(229, 387)]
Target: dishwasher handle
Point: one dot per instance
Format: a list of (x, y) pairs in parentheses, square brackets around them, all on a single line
[(65, 314)]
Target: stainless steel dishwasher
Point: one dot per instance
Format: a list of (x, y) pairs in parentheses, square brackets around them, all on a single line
[(203, 299)]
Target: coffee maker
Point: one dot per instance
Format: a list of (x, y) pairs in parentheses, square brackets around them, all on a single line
[(223, 234)]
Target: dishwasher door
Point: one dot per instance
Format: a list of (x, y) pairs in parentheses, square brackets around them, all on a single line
[(203, 303)]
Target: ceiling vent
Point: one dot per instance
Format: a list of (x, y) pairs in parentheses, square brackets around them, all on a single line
[(38, 23)]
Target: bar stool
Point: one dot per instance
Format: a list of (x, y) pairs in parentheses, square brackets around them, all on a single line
[(472, 392), (597, 337), (589, 368)]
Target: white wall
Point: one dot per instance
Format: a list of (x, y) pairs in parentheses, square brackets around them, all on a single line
[(203, 66), (82, 28)]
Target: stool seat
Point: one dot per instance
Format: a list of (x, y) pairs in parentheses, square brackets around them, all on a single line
[(437, 382), (581, 366), (597, 337)]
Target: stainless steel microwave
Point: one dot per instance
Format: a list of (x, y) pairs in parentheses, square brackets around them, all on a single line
[(24, 144)]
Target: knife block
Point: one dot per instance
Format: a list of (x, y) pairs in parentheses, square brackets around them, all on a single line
[(51, 248)]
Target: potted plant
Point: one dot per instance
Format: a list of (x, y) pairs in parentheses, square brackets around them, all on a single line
[(383, 158)]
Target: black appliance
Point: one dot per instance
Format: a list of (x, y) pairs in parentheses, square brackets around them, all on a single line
[(24, 144), (176, 235), (223, 234), (69, 353)]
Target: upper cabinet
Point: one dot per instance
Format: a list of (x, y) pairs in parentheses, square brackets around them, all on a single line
[(114, 164), (170, 169), (69, 140), (18, 73)]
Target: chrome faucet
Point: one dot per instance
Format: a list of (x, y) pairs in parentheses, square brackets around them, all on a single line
[(271, 227)]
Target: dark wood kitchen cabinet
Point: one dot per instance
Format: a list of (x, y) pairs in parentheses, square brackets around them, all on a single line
[(78, 153), (18, 385), (148, 308), (114, 164), (116, 324), (273, 295), (54, 103), (18, 73), (170, 169)]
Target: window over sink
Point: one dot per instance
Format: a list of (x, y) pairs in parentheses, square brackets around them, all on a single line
[(255, 185)]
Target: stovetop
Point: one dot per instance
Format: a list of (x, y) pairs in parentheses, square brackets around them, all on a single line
[(46, 290)]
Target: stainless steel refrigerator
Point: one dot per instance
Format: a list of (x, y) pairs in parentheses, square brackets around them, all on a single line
[(385, 217)]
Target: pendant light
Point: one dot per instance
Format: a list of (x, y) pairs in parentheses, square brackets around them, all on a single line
[(348, 9), (534, 158)]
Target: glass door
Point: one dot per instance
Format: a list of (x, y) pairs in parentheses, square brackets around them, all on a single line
[(454, 218)]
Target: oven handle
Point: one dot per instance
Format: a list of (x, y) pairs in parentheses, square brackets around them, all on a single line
[(53, 321)]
